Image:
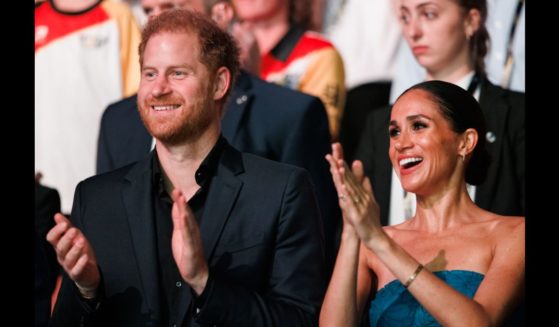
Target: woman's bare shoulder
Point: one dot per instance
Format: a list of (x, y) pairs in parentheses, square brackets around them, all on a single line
[(507, 224), (506, 229)]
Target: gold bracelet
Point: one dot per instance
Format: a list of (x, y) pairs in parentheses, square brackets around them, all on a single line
[(413, 276)]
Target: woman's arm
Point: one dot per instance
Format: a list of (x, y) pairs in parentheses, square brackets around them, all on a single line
[(346, 295), (503, 284), (351, 280)]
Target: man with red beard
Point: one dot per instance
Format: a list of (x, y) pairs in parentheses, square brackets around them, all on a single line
[(198, 233), (261, 118)]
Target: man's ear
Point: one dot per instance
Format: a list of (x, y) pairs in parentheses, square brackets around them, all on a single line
[(468, 142), (222, 81), (222, 14)]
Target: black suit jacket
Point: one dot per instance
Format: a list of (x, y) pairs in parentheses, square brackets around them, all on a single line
[(504, 190), (47, 203), (260, 118), (261, 236)]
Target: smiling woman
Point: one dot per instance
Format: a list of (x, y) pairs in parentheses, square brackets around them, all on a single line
[(453, 262), (423, 126)]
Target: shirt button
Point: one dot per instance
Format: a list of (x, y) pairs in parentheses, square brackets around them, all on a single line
[(197, 310), (179, 284)]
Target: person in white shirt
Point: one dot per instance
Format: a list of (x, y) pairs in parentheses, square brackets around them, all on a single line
[(502, 16)]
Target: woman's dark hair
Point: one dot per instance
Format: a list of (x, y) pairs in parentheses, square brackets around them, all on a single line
[(462, 111), (479, 41)]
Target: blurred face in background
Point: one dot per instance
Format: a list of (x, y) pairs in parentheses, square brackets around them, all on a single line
[(153, 8), (437, 32), (259, 10)]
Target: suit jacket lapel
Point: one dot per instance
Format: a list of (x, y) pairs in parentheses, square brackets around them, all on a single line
[(236, 109), (495, 113), (221, 198), (138, 200)]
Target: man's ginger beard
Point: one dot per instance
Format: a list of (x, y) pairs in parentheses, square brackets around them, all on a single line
[(192, 120)]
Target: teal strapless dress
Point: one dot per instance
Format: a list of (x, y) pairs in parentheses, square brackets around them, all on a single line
[(395, 306)]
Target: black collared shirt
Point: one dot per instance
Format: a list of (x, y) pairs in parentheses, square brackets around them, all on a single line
[(170, 281)]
